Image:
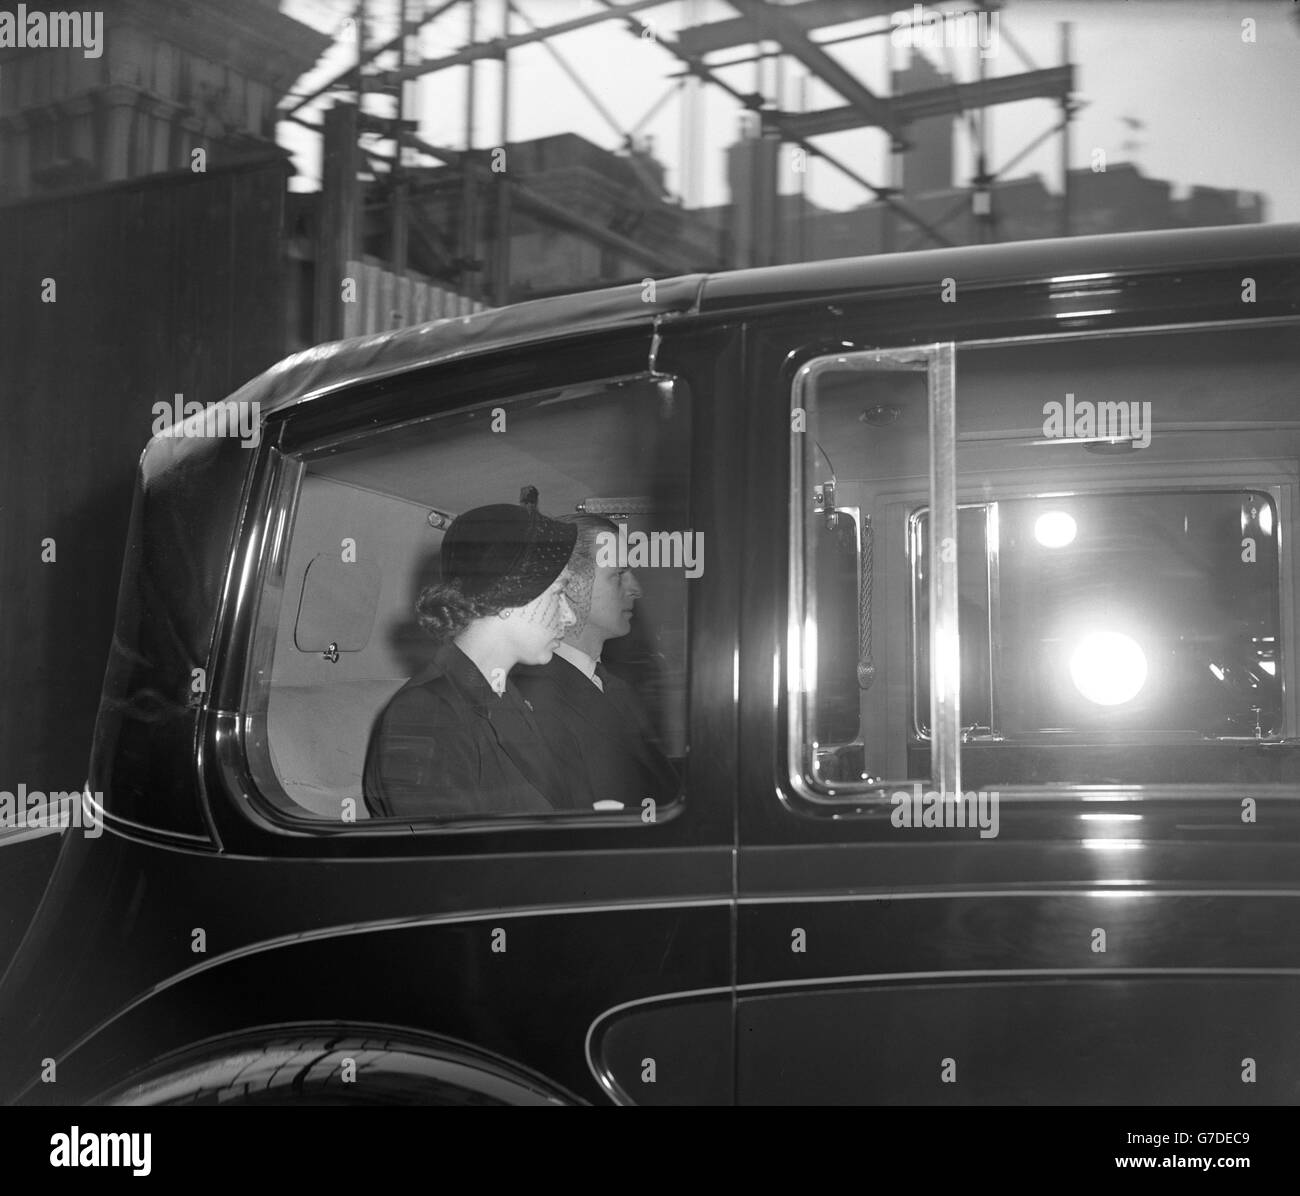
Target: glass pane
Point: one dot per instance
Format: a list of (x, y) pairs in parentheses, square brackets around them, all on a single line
[(837, 580), (865, 462), (1139, 613)]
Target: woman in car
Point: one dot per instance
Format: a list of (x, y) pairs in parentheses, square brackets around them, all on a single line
[(458, 739)]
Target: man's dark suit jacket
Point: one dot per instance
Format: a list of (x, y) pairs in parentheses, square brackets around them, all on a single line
[(447, 744), (603, 740)]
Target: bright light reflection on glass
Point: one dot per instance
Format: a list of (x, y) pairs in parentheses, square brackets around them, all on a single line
[(1269, 667), (1108, 668), (1113, 844), (1266, 519), (945, 648), (808, 681), (1055, 529), (794, 654)]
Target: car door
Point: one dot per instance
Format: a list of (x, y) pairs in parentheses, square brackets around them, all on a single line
[(584, 955), (998, 836), (593, 949)]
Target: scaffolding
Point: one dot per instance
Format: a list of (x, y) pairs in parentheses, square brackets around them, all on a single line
[(778, 33)]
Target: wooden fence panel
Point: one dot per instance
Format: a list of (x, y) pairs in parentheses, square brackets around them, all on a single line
[(165, 285), (385, 300)]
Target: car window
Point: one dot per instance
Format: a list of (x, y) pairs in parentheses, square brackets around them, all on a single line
[(1125, 587), (362, 690), (1119, 615)]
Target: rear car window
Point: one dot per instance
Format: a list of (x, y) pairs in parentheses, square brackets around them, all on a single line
[(339, 634)]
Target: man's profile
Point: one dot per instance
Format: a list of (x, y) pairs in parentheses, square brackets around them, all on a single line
[(591, 718)]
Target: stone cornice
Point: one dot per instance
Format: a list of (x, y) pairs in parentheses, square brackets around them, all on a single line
[(251, 38)]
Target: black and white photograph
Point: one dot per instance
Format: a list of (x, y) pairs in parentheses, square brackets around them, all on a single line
[(662, 553)]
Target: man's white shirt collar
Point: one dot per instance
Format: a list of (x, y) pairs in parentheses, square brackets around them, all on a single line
[(580, 661)]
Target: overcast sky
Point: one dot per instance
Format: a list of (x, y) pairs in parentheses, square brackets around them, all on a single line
[(1171, 85)]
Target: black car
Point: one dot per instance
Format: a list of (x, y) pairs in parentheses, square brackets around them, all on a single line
[(968, 599)]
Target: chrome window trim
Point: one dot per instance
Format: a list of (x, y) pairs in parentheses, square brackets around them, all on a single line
[(267, 585), (1087, 334), (937, 361), (993, 580)]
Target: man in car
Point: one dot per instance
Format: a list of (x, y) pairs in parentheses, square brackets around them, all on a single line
[(592, 719)]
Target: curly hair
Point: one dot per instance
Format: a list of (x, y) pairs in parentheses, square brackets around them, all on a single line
[(443, 612)]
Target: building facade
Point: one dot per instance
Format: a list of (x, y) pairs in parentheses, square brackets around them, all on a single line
[(169, 79)]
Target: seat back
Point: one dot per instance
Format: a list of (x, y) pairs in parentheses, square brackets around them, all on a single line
[(347, 640), (318, 736)]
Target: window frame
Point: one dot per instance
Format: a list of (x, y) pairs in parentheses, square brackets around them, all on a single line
[(1284, 499), (938, 362), (845, 799), (285, 474), (991, 584)]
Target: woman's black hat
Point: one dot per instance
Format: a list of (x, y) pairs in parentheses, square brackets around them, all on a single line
[(505, 555)]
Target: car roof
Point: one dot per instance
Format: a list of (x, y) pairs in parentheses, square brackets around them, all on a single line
[(331, 366), (1060, 259)]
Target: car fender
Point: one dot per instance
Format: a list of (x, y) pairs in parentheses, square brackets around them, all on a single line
[(329, 1064)]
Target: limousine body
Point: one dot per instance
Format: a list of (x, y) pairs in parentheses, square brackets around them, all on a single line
[(980, 684)]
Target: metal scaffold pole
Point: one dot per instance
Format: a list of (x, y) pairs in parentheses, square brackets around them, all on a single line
[(501, 283), (1067, 111), (398, 178), (469, 183)]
